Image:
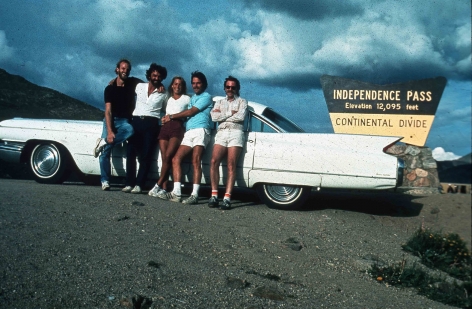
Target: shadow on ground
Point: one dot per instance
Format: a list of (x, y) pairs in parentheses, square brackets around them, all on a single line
[(378, 203)]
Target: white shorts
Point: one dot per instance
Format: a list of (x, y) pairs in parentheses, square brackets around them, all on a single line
[(196, 137), (230, 138)]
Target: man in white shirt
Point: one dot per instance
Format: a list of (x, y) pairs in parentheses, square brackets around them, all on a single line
[(149, 102), (229, 140)]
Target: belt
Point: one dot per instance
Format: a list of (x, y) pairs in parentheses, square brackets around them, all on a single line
[(146, 117)]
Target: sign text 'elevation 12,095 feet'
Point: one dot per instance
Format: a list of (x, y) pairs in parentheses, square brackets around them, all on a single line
[(406, 110)]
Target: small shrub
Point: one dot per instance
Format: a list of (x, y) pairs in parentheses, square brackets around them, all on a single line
[(433, 287), (448, 252)]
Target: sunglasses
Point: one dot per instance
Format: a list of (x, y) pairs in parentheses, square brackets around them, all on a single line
[(230, 87)]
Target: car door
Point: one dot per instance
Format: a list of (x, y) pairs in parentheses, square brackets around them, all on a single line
[(253, 125), (118, 160)]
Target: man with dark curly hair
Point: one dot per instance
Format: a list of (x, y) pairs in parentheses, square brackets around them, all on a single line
[(145, 122)]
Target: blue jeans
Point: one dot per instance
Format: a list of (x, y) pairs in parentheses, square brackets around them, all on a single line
[(142, 145), (123, 130)]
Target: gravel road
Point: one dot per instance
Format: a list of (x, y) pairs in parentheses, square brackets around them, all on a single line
[(74, 246)]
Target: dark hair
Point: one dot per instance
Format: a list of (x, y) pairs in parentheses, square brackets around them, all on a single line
[(125, 61), (233, 79), (155, 67), (201, 77), (182, 82)]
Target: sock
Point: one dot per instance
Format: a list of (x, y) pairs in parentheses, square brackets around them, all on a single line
[(227, 196), (177, 188), (157, 187), (214, 193), (196, 187)]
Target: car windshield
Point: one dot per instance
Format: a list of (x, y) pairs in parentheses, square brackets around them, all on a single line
[(284, 123)]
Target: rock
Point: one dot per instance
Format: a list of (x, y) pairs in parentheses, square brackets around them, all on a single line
[(154, 264), (363, 265), (422, 191), (137, 302), (426, 152), (269, 293), (434, 178), (396, 149), (411, 176), (126, 303), (414, 162), (293, 244), (429, 163), (421, 172), (421, 182), (412, 150), (236, 283)]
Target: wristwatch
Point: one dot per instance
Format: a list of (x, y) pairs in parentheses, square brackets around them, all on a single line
[(170, 116)]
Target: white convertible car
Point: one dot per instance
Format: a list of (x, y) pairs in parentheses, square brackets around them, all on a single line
[(281, 162)]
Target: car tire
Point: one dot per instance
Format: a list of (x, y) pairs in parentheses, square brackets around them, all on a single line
[(283, 196), (49, 163)]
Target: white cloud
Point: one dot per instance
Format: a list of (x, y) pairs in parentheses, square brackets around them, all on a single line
[(385, 43), (273, 47), (464, 66), (439, 154), (6, 52)]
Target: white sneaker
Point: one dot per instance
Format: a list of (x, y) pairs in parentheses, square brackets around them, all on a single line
[(154, 191), (170, 196), (136, 190), (99, 147), (127, 189), (105, 186), (192, 199), (162, 194)]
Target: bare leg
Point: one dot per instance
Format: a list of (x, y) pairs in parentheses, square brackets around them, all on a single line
[(233, 154), (219, 152), (177, 160), (168, 150), (164, 168), (197, 163)]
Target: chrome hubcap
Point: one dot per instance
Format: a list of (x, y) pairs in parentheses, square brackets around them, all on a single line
[(282, 194), (45, 160)]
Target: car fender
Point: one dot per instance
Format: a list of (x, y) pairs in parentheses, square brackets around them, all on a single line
[(284, 177)]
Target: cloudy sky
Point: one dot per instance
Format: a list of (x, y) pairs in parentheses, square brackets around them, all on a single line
[(277, 48)]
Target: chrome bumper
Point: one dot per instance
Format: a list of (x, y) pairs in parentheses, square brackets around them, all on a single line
[(400, 172), (11, 151)]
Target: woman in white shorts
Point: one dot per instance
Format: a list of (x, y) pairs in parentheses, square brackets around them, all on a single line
[(172, 132)]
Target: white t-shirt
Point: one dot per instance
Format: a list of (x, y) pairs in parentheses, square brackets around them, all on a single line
[(148, 105), (176, 106)]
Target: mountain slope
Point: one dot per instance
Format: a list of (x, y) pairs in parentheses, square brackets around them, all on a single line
[(455, 171), (20, 98)]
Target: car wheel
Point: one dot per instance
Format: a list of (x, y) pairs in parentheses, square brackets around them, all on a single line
[(283, 196), (48, 163)]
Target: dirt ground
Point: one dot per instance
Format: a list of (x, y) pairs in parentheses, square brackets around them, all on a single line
[(449, 213), (76, 246)]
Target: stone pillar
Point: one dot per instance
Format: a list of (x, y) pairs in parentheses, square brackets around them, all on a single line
[(420, 174)]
